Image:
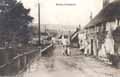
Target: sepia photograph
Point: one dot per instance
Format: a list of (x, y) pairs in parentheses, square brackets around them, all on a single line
[(59, 38)]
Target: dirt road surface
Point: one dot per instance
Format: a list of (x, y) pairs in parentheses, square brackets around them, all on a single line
[(70, 66)]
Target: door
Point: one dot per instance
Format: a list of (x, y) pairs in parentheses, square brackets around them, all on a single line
[(92, 47)]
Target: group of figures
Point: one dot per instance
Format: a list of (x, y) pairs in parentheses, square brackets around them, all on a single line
[(65, 43), (66, 46)]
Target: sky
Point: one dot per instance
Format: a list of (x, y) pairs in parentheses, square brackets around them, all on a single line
[(77, 13)]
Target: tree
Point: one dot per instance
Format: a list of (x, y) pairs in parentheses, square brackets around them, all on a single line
[(15, 24)]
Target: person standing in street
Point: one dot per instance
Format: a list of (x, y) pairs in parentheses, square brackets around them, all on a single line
[(65, 43), (53, 41)]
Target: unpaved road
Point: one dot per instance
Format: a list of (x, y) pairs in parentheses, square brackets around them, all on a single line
[(69, 66)]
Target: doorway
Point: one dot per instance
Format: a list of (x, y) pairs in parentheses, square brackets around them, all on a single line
[(92, 47)]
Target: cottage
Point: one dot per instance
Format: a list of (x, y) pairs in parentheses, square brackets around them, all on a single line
[(103, 31)]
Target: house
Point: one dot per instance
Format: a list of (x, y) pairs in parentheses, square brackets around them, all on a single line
[(78, 37), (74, 38), (103, 31)]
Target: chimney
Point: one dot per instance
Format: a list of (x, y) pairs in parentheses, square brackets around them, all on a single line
[(105, 3), (91, 15), (79, 26)]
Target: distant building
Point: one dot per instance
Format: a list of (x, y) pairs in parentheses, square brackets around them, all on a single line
[(74, 37)]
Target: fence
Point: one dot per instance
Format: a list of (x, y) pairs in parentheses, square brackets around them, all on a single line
[(19, 62)]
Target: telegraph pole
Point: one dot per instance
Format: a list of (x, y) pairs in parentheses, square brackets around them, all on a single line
[(39, 32), (39, 24)]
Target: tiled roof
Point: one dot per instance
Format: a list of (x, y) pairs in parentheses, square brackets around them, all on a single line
[(109, 13)]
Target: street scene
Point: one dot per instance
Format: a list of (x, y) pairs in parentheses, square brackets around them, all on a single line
[(58, 38)]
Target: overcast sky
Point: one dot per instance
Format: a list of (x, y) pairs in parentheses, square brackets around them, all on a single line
[(77, 13)]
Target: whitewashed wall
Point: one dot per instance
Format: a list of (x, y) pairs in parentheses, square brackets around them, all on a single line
[(108, 46)]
